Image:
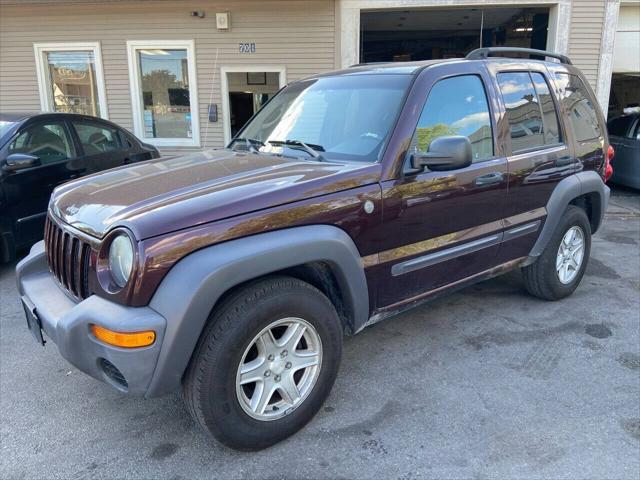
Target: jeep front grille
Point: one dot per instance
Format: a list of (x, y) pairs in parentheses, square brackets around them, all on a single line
[(68, 258)]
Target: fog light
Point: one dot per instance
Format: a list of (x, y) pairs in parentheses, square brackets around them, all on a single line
[(124, 339)]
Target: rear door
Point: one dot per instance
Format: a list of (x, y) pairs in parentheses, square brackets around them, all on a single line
[(539, 151), (101, 145), (443, 226)]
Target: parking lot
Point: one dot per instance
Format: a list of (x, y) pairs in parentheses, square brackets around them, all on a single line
[(487, 383)]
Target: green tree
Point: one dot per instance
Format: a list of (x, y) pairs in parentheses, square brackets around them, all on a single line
[(427, 134)]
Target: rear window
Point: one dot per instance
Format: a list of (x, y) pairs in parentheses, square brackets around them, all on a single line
[(581, 110)]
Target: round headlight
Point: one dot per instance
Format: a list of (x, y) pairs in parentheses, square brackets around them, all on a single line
[(121, 259)]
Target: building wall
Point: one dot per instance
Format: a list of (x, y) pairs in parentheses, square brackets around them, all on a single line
[(627, 48), (587, 20), (296, 34)]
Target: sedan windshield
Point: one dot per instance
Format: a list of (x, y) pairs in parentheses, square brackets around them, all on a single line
[(331, 118)]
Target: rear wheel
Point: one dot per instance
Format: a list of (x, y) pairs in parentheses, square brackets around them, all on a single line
[(265, 364), (558, 271)]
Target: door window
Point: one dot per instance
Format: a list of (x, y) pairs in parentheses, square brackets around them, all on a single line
[(577, 102), (48, 141), (456, 106), (551, 129), (96, 139), (523, 111)]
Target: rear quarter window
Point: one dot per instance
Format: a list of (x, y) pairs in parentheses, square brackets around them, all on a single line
[(579, 107)]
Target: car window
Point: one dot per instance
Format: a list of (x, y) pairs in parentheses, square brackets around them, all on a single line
[(96, 138), (523, 111), (48, 141), (619, 126), (346, 117), (636, 134), (456, 106), (551, 129), (577, 102)]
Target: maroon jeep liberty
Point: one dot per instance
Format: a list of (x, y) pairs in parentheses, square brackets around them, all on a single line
[(233, 274)]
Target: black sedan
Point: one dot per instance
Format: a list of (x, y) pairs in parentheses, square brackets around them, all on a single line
[(41, 151), (624, 134)]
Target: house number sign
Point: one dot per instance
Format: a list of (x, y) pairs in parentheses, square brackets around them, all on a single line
[(247, 47)]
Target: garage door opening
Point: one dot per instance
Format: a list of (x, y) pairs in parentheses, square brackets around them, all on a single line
[(425, 34)]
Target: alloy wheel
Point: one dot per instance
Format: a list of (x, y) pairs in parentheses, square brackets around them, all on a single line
[(570, 255), (279, 368)]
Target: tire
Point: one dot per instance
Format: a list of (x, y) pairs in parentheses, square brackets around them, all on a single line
[(211, 385), (542, 279)]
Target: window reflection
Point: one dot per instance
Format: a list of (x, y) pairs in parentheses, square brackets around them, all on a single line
[(456, 106), (72, 82), (523, 110), (577, 102), (165, 93)]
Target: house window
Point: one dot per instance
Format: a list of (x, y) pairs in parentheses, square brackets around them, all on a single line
[(164, 92), (70, 78)]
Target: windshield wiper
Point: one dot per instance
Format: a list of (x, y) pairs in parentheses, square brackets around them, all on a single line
[(310, 148), (249, 143)]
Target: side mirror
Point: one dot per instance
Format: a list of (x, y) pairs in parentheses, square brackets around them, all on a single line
[(445, 153), (20, 161)]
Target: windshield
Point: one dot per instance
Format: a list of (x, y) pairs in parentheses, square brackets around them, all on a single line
[(344, 118)]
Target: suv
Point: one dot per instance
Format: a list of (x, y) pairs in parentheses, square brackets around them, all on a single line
[(349, 197)]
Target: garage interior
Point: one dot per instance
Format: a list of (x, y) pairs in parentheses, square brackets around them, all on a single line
[(424, 34)]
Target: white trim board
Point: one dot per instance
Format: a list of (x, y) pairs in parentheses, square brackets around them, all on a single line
[(136, 97), (224, 85), (44, 80)]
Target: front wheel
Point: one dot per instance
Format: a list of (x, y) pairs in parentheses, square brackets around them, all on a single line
[(558, 271), (265, 363)]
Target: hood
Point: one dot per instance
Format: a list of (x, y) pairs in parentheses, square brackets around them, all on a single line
[(168, 194)]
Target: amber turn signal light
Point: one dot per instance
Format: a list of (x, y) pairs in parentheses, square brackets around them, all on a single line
[(124, 339)]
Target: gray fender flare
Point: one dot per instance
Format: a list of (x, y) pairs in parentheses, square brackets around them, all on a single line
[(188, 293), (567, 190)]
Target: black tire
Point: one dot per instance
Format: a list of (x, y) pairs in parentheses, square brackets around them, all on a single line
[(541, 278), (209, 386)]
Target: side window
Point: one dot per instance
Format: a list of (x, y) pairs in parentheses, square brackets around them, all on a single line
[(619, 126), (456, 106), (523, 110), (96, 138), (549, 115), (577, 102), (48, 141)]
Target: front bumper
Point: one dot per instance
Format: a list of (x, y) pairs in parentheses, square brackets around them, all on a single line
[(67, 324)]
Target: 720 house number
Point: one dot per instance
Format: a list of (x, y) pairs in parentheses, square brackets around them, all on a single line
[(247, 48)]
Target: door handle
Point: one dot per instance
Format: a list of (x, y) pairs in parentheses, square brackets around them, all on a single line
[(489, 179), (564, 161)]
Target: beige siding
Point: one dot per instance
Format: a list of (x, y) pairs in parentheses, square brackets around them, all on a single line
[(296, 34), (587, 22)]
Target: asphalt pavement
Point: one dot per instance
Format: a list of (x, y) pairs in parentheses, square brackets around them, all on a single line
[(486, 383)]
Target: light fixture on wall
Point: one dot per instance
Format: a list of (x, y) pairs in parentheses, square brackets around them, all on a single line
[(223, 21), (197, 13), (523, 25)]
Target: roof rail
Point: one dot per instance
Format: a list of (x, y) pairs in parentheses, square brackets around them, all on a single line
[(482, 53)]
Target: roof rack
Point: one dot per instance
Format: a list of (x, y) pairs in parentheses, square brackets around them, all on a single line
[(482, 53)]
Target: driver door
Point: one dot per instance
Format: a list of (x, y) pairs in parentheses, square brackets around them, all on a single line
[(444, 226), (27, 191)]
